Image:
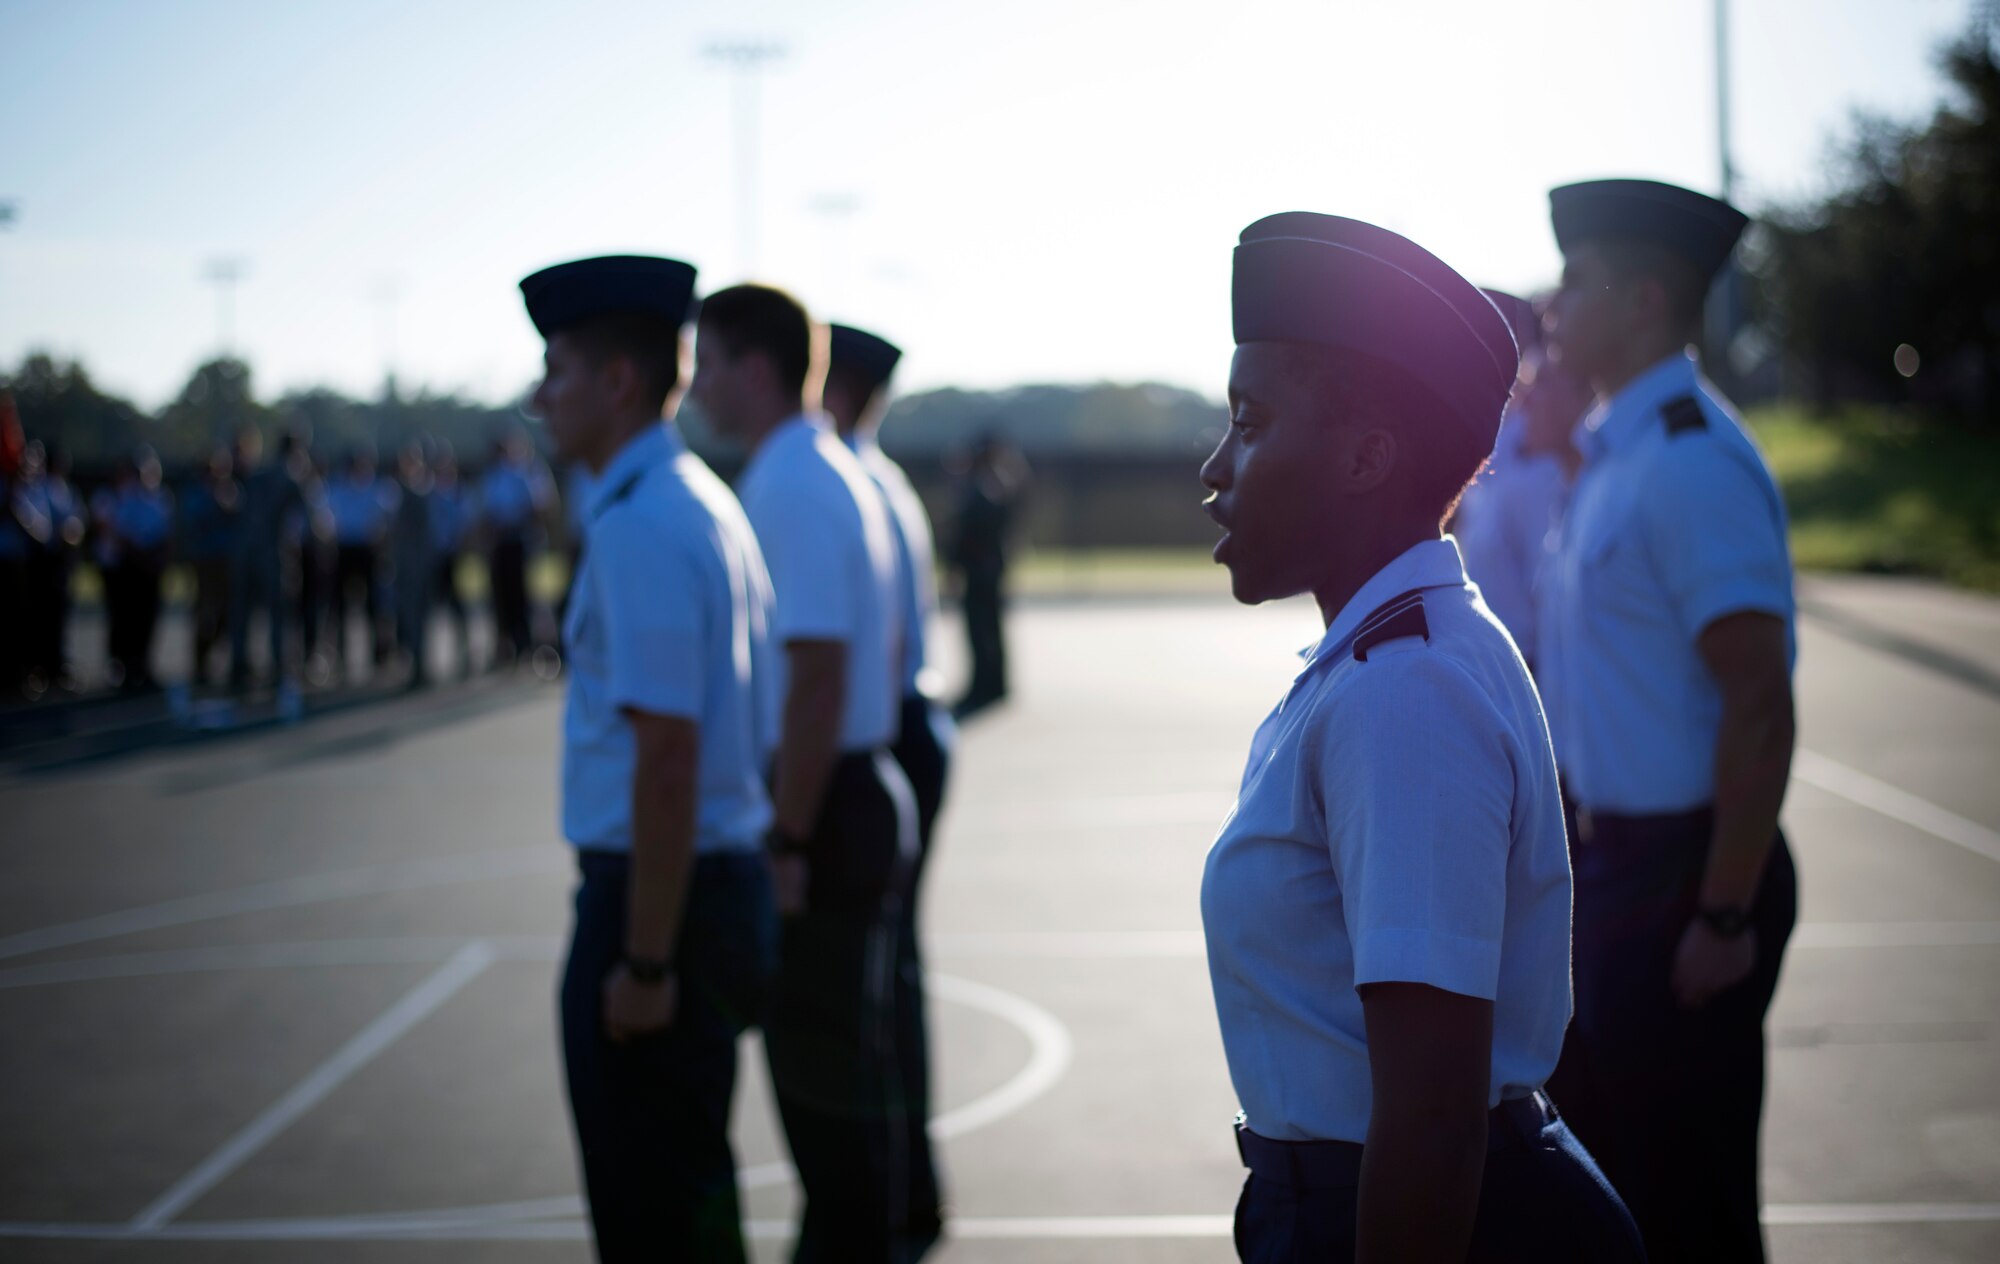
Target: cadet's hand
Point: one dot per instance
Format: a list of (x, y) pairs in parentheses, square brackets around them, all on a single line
[(632, 1008), (789, 875), (1707, 963)]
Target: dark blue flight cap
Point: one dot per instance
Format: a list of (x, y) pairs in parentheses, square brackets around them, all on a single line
[(1694, 226), (1340, 283), (569, 292), (869, 358), (1520, 314)]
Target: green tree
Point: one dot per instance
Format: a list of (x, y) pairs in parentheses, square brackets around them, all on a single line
[(1904, 251), (60, 405), (216, 402)]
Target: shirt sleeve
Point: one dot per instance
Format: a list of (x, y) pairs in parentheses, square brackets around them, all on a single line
[(805, 549), (1418, 784), (1716, 536), (652, 595)]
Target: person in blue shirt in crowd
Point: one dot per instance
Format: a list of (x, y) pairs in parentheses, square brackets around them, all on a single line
[(210, 514), (16, 546), (664, 737), (68, 526), (844, 832), (135, 524), (271, 496), (1505, 517), (360, 505), (859, 366), (1387, 907), (1667, 649), (514, 493), (450, 521), (411, 575)]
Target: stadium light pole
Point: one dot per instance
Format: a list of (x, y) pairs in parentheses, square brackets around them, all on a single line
[(834, 210), (745, 59), (223, 274), (1725, 300)]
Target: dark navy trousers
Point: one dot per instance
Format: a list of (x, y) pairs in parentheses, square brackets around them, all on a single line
[(923, 751), (652, 1114), (1541, 1198), (1668, 1099), (831, 1030)]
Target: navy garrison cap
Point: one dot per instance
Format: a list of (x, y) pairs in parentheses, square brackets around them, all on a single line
[(1696, 227), (856, 351), (569, 292), (1340, 283)]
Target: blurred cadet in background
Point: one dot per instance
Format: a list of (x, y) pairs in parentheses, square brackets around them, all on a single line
[(1667, 649), (859, 366), (211, 512), (1504, 519), (68, 525), (270, 499), (664, 739), (450, 520), (411, 565), (16, 535), (135, 522), (360, 504), (513, 495), (40, 527), (1552, 401), (308, 537), (844, 837), (987, 497), (1387, 907)]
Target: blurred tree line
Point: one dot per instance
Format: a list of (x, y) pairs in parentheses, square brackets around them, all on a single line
[(1888, 287), (62, 406)]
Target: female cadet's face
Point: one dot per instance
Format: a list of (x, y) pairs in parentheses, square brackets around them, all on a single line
[(1271, 478)]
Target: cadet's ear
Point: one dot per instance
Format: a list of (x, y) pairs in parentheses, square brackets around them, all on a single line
[(1368, 461)]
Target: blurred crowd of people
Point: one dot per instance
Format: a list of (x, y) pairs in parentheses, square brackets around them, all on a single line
[(285, 555)]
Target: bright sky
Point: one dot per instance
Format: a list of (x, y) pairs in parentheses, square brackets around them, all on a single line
[(1043, 190)]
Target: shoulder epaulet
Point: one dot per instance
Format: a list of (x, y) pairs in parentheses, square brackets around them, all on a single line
[(1683, 413), (1393, 620)]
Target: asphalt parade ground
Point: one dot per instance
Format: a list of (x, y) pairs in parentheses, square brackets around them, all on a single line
[(289, 995)]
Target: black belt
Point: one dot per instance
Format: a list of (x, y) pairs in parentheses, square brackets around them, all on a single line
[(1337, 1164), (1592, 825)]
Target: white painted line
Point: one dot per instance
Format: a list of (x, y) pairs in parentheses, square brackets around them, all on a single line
[(311, 889), (1884, 799), (418, 1226), (1879, 1213), (399, 1018), (1049, 1051)]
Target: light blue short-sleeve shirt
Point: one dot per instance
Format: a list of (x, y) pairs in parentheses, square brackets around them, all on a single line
[(1674, 522), (1503, 527), (827, 538), (669, 614), (1398, 821), (915, 555)]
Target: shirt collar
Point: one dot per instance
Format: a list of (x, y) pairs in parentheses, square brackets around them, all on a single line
[(1425, 564), (654, 445), (1617, 421)]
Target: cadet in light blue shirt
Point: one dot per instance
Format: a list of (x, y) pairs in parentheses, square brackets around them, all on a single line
[(1667, 654), (1503, 521), (664, 737), (859, 367), (1387, 907)]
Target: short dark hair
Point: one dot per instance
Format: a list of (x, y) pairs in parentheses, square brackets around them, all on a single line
[(763, 319), (1685, 287), (1440, 455), (650, 341)]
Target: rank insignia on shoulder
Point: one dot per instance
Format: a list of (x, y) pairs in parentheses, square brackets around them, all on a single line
[(1683, 414), (1393, 620)]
